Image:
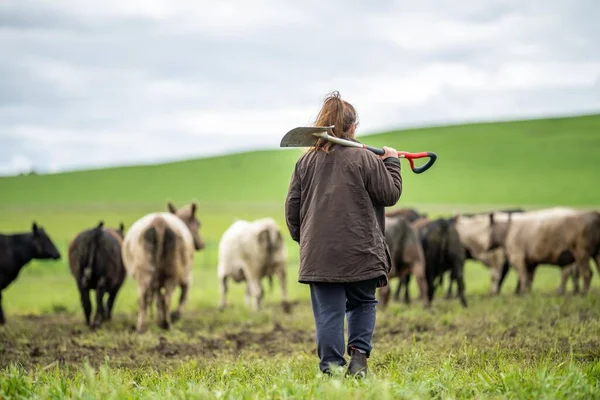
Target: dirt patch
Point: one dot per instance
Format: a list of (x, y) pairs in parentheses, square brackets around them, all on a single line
[(52, 340)]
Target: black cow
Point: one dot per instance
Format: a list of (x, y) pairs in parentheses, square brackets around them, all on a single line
[(19, 249), (443, 253), (96, 264)]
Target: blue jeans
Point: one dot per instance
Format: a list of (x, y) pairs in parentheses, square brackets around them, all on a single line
[(331, 302)]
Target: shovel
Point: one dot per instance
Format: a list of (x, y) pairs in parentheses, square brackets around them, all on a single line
[(305, 136)]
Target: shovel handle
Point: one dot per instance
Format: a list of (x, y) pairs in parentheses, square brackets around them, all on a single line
[(410, 157)]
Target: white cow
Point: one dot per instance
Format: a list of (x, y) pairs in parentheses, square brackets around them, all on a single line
[(250, 251)]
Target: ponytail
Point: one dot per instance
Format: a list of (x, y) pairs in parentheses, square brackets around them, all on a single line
[(340, 114)]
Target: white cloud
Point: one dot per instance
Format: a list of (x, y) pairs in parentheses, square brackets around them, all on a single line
[(83, 86)]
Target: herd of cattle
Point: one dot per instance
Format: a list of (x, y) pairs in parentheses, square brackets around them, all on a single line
[(158, 253), (427, 249)]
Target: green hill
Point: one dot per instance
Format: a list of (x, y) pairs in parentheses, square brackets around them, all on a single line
[(480, 166), (537, 162)]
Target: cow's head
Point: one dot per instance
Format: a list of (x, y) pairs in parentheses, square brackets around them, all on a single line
[(188, 215), (270, 238), (43, 248)]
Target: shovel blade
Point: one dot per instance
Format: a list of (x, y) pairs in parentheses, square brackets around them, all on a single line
[(302, 136)]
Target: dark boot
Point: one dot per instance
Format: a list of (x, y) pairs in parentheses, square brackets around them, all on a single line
[(358, 364)]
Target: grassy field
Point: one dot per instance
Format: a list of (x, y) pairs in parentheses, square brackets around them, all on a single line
[(536, 346)]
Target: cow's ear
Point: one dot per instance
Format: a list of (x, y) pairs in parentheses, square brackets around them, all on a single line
[(122, 227), (34, 228), (491, 218), (172, 208), (194, 208)]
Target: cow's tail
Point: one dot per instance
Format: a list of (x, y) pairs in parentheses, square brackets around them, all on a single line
[(89, 257), (160, 240)]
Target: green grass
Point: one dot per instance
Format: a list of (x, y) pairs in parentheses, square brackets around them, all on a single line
[(536, 346)]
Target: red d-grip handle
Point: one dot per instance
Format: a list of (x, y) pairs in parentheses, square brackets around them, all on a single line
[(412, 156)]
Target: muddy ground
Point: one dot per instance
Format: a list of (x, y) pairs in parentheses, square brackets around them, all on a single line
[(570, 330)]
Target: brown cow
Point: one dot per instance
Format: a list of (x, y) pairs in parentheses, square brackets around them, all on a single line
[(407, 259), (409, 214), (158, 252), (96, 264)]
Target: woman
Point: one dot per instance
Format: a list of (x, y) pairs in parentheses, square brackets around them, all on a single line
[(335, 211)]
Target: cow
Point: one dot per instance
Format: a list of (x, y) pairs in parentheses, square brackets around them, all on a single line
[(475, 241), (250, 251), (407, 259), (410, 214), (96, 264), (19, 249), (475, 235), (158, 253), (566, 238), (443, 253)]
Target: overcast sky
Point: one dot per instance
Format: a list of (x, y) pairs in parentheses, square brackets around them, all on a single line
[(117, 82)]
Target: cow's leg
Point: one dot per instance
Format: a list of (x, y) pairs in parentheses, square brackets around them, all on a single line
[(406, 285), (530, 275), (518, 262), (162, 309), (566, 272), (450, 282), (575, 278), (84, 294), (145, 294), (518, 286), (499, 273), (183, 297), (165, 295), (223, 288), (281, 274), (398, 290), (418, 270), (384, 295), (430, 286), (110, 303), (247, 297), (2, 320), (112, 295), (458, 272), (504, 271), (100, 312), (583, 263), (255, 289)]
